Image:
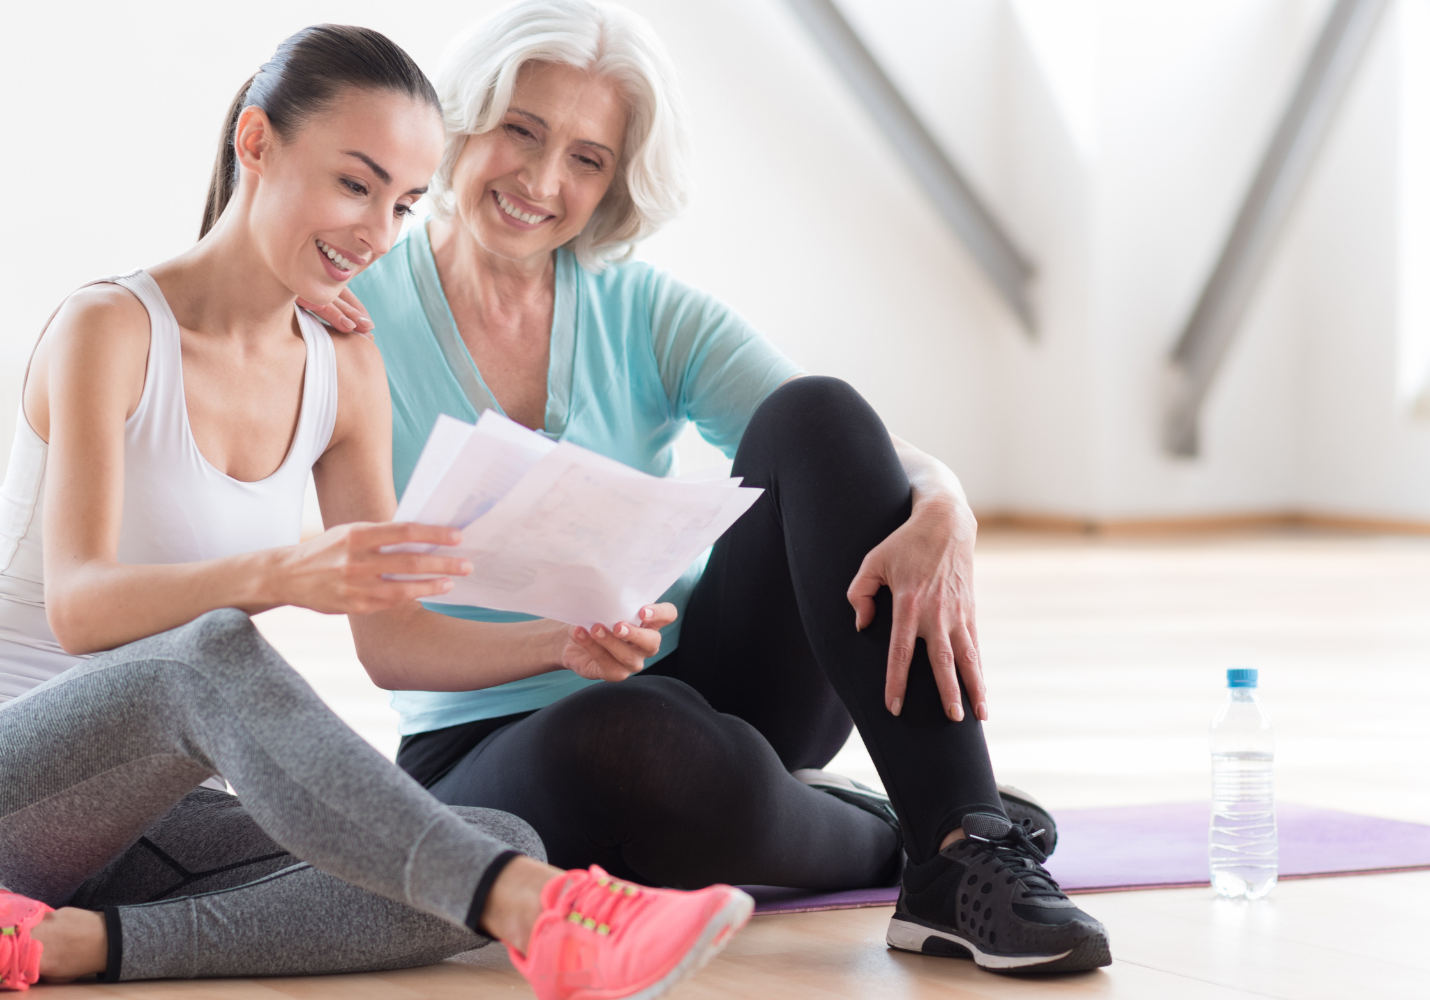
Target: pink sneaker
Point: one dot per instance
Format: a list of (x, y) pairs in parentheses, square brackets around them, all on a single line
[(598, 938), (19, 956)]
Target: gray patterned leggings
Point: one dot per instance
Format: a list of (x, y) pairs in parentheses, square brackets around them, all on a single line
[(336, 861)]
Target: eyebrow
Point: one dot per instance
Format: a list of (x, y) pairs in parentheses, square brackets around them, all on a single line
[(377, 168), (542, 122)]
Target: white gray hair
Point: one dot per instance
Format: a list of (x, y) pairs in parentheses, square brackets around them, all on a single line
[(478, 74)]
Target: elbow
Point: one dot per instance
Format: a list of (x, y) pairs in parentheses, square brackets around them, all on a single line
[(72, 630), (381, 668), (383, 680)]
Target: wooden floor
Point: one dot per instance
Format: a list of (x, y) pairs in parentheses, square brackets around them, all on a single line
[(1106, 660)]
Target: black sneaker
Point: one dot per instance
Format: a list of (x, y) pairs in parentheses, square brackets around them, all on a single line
[(987, 898), (861, 796), (856, 793), (1029, 813)]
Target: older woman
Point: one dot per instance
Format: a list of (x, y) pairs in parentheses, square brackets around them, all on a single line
[(844, 593)]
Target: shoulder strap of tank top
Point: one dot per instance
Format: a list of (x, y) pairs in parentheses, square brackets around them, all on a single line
[(163, 395), (124, 281), (320, 389)]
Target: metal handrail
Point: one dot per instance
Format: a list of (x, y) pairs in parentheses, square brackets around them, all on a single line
[(1212, 326), (1006, 266)]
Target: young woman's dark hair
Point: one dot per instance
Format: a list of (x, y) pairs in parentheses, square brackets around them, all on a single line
[(302, 79)]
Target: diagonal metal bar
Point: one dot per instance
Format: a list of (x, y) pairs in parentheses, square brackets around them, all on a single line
[(945, 184), (1284, 167)]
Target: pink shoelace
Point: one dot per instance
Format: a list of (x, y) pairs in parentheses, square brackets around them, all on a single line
[(19, 955), (19, 959)]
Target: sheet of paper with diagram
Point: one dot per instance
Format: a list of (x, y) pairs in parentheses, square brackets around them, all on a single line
[(556, 530)]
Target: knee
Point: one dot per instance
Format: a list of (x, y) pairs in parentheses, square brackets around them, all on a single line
[(219, 643), (222, 629), (810, 398), (814, 409), (622, 717), (225, 635), (648, 740), (511, 830)]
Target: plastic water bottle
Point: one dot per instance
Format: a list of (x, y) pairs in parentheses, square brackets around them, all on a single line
[(1243, 831)]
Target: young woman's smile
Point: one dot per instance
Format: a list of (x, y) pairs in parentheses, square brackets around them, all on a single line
[(340, 264)]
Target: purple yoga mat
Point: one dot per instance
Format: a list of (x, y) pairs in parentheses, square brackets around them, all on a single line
[(1165, 846)]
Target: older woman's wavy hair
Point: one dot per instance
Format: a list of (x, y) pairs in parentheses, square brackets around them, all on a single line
[(478, 74)]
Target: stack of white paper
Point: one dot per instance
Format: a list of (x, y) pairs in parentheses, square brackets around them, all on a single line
[(555, 530)]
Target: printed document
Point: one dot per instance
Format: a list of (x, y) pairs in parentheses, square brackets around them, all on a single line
[(556, 530)]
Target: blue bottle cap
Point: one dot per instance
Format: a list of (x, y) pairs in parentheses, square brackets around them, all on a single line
[(1241, 677)]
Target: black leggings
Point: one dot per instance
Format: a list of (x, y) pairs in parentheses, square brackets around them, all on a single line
[(680, 776)]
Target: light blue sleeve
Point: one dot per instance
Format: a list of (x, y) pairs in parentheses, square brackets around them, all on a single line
[(716, 368)]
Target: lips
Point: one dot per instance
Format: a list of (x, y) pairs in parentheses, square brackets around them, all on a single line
[(512, 211), (341, 262)]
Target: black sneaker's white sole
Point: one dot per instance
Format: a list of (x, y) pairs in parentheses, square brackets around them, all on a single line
[(910, 935)]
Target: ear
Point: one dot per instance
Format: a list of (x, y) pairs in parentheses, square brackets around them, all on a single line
[(253, 139)]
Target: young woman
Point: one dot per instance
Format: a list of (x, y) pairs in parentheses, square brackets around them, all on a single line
[(843, 595), (170, 420)]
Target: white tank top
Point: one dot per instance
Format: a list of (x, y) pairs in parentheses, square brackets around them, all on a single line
[(177, 507)]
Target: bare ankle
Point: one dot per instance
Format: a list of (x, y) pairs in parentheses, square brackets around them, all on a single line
[(955, 835), (76, 943), (514, 902)]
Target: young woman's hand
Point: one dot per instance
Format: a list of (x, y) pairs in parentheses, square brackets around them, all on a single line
[(344, 313), (606, 654), (344, 570), (928, 566)]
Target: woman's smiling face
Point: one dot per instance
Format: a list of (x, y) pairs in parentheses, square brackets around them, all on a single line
[(332, 198), (531, 183)]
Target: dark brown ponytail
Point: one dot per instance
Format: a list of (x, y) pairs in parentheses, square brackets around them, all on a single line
[(226, 166), (302, 79)]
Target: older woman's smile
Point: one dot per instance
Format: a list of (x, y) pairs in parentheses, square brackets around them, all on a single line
[(514, 208)]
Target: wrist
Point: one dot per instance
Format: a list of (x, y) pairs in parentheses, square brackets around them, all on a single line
[(944, 512), (941, 502), (261, 582), (933, 482), (551, 646)]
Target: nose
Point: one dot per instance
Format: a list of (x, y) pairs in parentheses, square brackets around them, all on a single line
[(542, 175), (378, 229)]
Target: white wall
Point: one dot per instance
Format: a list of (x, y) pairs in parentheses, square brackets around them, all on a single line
[(1115, 138)]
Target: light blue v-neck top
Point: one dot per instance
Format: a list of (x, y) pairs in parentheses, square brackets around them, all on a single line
[(635, 354)]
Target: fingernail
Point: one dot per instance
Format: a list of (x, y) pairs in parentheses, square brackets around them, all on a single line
[(598, 632), (647, 612), (622, 631), (982, 712), (466, 568), (581, 635), (955, 713), (896, 706), (447, 585)]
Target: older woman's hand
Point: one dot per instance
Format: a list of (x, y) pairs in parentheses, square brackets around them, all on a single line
[(344, 313), (613, 654), (928, 566)]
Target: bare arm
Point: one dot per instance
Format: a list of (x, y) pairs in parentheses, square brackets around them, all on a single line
[(927, 564), (407, 647), (85, 381)]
